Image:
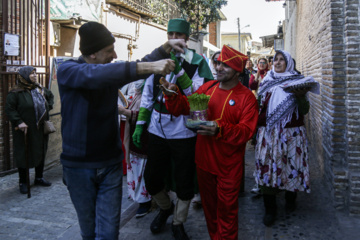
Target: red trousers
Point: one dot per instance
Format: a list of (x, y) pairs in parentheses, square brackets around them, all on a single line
[(219, 197)]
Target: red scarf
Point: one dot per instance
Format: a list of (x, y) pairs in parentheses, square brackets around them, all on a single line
[(262, 72)]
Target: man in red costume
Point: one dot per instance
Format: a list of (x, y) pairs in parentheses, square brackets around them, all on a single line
[(220, 149)]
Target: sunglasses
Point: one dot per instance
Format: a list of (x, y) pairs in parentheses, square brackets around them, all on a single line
[(262, 63)]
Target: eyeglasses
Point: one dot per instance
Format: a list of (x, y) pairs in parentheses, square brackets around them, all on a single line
[(262, 63)]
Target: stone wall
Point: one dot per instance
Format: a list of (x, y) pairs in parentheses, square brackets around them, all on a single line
[(327, 48)]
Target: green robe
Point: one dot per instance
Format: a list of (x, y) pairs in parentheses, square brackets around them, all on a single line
[(19, 108)]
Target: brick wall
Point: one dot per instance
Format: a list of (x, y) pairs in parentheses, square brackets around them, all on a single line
[(212, 34), (327, 48), (352, 101)]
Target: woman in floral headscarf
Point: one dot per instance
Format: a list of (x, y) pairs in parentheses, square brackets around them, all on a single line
[(281, 152), (27, 107)]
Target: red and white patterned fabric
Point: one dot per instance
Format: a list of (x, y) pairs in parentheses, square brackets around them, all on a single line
[(282, 162)]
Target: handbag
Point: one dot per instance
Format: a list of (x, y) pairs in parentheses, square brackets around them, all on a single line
[(49, 127)]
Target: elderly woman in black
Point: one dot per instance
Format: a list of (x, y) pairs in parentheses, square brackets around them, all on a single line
[(281, 152), (27, 107)]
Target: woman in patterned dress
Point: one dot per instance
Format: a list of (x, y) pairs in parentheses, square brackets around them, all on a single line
[(281, 152)]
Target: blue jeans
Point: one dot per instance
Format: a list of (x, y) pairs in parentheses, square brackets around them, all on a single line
[(96, 194)]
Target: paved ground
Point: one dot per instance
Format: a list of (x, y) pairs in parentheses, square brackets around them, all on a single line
[(49, 214)]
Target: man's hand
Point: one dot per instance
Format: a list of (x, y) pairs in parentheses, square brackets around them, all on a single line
[(123, 111), (162, 67), (165, 86), (209, 130), (23, 127), (177, 44), (137, 135)]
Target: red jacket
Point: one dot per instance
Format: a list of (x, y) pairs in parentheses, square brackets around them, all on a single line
[(236, 113)]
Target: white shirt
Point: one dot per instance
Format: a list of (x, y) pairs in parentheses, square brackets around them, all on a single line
[(166, 125)]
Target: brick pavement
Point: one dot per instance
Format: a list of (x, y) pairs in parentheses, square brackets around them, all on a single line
[(49, 214)]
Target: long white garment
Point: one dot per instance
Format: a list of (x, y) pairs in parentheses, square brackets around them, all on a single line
[(136, 162), (135, 179), (160, 124)]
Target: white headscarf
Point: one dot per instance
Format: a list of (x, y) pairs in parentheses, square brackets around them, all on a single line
[(282, 104)]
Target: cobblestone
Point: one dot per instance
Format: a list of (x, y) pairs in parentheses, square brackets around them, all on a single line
[(49, 214)]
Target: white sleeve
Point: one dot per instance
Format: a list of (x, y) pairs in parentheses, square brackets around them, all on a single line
[(147, 94)]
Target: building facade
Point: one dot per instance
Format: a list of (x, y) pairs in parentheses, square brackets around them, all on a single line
[(212, 41), (232, 39)]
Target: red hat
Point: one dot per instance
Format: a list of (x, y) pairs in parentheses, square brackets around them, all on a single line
[(234, 59)]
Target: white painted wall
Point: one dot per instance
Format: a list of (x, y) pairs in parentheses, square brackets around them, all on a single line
[(150, 37)]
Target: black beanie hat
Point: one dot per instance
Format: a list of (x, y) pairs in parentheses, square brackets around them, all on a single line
[(94, 36)]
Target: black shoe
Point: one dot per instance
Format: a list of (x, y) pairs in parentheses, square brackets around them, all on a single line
[(290, 203), (23, 188), (290, 207), (160, 220), (179, 232), (42, 182), (144, 208), (269, 219), (270, 209)]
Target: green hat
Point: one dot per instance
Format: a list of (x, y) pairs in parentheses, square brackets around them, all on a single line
[(179, 25)]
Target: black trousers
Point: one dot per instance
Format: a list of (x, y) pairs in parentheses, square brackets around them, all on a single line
[(38, 172), (160, 154)]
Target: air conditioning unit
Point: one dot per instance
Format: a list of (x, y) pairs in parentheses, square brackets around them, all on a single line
[(55, 34)]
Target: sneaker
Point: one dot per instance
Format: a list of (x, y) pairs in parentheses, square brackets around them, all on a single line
[(255, 189), (143, 209), (42, 182)]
